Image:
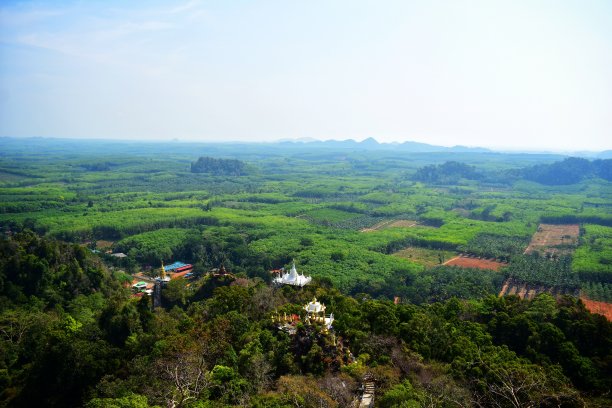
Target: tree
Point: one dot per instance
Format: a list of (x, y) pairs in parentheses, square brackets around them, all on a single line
[(129, 401), (341, 388), (516, 384), (227, 385), (183, 376), (400, 395), (304, 392), (175, 291)]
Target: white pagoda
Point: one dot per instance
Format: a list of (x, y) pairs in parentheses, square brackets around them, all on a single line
[(293, 278), (316, 313)]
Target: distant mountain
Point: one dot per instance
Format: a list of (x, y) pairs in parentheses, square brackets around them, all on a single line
[(372, 144), (370, 141), (606, 154), (470, 149), (420, 147)]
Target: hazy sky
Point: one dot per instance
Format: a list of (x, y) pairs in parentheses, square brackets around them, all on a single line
[(529, 74)]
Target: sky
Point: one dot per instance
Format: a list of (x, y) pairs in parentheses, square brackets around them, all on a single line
[(532, 74)]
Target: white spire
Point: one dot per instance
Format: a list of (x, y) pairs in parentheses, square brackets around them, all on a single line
[(293, 273)]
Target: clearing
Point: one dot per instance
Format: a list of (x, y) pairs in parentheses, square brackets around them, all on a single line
[(102, 244), (469, 262), (423, 256), (391, 224), (552, 239), (528, 291)]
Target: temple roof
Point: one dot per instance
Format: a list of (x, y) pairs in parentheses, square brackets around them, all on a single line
[(315, 307), (316, 313)]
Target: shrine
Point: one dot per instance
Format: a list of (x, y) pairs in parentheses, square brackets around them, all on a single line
[(315, 313), (163, 276)]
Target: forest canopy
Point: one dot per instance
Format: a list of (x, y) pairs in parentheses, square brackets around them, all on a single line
[(569, 171), (218, 167), (448, 172)]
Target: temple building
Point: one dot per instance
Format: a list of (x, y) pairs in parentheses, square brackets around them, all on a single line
[(315, 313), (220, 271), (315, 316), (293, 278), (163, 276)]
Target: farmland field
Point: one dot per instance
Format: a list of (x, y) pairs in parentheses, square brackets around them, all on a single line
[(529, 291), (390, 224), (593, 257), (554, 239), (470, 262), (356, 221), (423, 256)]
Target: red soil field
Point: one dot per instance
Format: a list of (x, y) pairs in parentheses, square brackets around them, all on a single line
[(464, 262), (601, 308)]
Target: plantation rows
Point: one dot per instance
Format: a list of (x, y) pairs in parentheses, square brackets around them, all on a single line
[(598, 291), (495, 246), (307, 206)]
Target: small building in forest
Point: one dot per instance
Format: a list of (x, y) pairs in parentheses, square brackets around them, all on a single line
[(178, 267)]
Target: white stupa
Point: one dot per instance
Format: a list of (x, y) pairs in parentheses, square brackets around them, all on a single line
[(293, 278)]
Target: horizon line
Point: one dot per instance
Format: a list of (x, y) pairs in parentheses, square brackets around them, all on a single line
[(309, 140)]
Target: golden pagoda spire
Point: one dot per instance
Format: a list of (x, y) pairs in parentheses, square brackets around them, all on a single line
[(163, 271)]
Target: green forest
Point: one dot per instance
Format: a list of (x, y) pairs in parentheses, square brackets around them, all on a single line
[(376, 229)]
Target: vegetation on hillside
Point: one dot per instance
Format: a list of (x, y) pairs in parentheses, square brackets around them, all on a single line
[(92, 344), (218, 167), (448, 173), (569, 171)]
